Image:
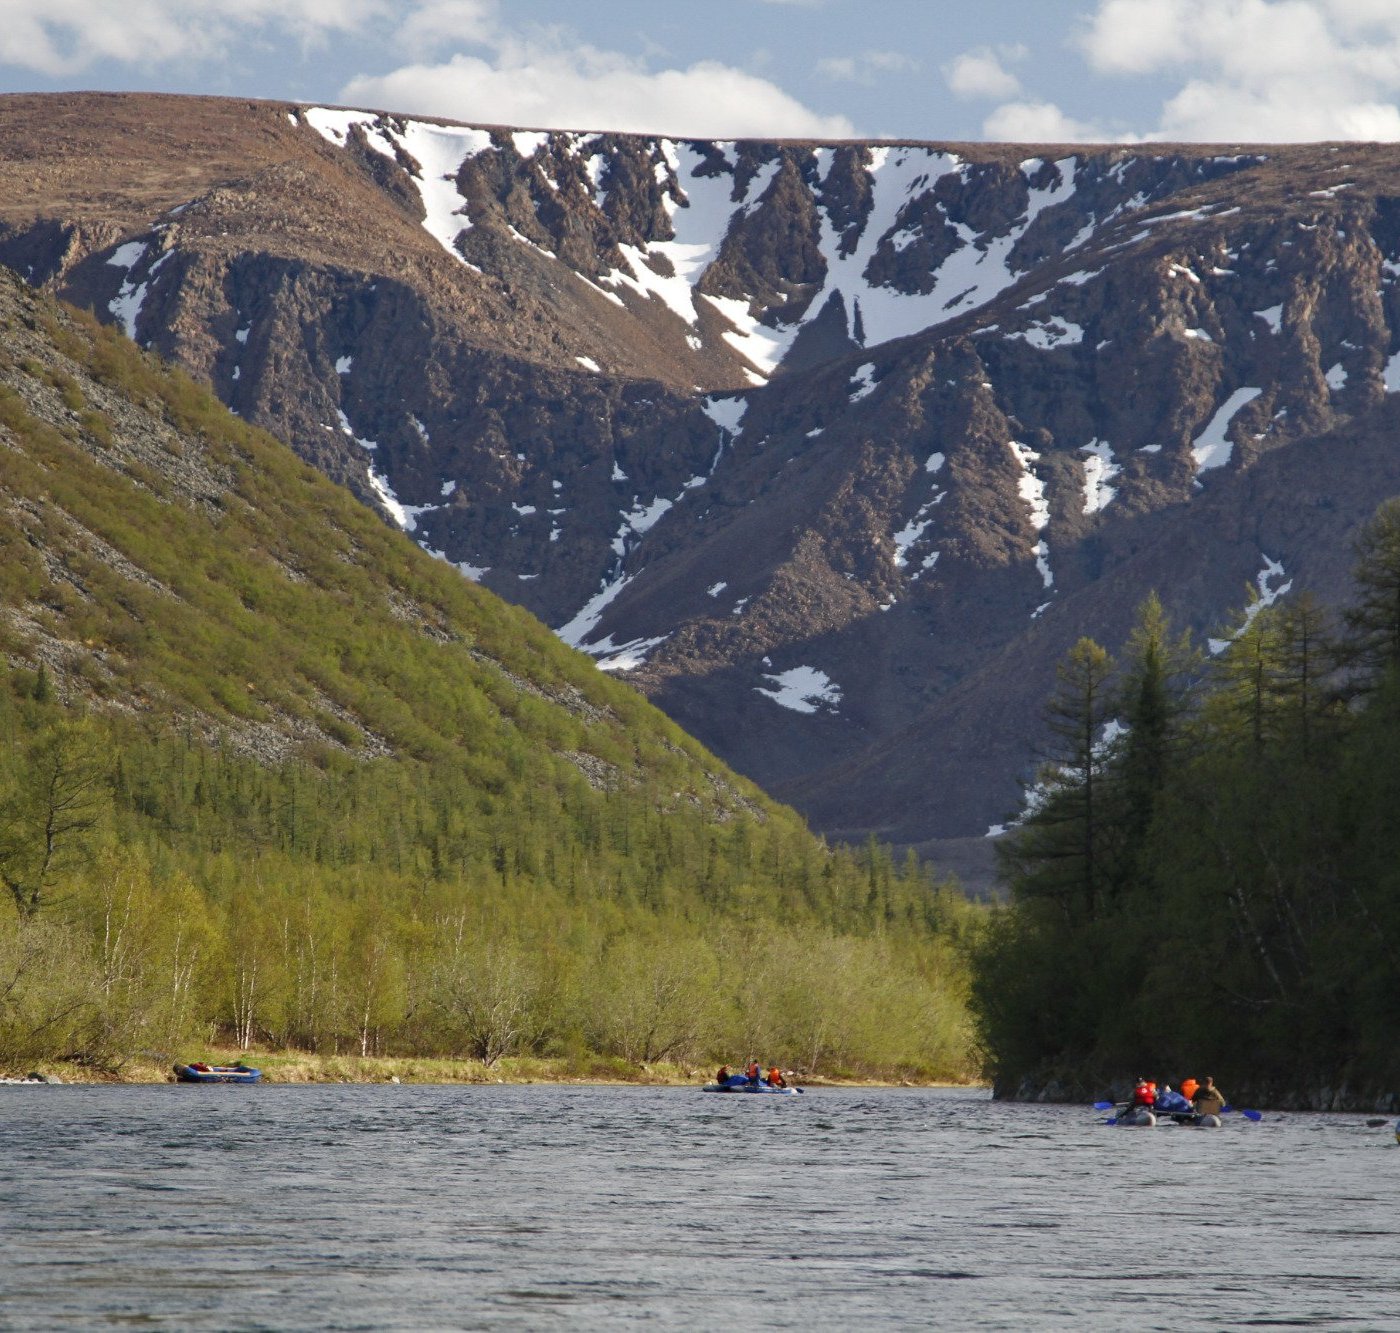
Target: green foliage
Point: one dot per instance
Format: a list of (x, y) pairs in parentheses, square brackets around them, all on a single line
[(305, 786), (397, 907), (1252, 924), (1059, 855)]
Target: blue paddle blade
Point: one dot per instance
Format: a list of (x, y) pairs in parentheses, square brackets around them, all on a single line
[(1112, 1120), (1252, 1115), (1103, 1106)]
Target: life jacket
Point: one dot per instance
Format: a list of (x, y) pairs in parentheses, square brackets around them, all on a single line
[(775, 1078), (1188, 1088), (751, 1073), (1143, 1095)]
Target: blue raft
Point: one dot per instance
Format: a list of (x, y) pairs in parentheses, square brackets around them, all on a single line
[(202, 1073), (738, 1083)]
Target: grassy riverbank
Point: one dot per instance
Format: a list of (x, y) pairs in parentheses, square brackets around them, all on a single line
[(300, 1067)]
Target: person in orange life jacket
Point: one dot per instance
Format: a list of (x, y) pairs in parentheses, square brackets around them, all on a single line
[(1188, 1088), (1209, 1100), (752, 1072), (775, 1078)]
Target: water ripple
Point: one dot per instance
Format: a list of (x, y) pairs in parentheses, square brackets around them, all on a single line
[(499, 1207)]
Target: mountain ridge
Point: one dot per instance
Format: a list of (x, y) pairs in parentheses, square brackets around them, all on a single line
[(748, 420)]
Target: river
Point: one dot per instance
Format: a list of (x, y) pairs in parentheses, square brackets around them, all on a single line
[(356, 1207)]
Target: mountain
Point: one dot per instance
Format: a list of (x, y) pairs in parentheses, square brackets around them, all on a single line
[(168, 564), (833, 449)]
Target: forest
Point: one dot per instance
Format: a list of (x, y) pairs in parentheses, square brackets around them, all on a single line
[(273, 778), (1208, 872), (163, 893)]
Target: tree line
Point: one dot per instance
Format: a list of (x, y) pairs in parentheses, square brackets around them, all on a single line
[(165, 892), (1208, 871)]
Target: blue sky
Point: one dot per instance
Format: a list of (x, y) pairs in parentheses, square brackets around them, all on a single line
[(1023, 70)]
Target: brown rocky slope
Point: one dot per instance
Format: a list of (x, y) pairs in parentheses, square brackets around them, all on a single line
[(834, 448)]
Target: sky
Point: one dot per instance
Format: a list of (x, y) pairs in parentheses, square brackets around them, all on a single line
[(1018, 70)]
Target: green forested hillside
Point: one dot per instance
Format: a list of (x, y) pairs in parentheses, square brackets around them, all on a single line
[(1217, 886), (271, 773)]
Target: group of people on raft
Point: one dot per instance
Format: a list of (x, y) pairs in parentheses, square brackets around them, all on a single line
[(753, 1075), (1193, 1100)]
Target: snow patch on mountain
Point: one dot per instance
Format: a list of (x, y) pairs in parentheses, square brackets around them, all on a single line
[(529, 142), (1032, 490), (727, 413), (439, 151), (1272, 584), (1212, 447), (862, 382), (803, 689), (591, 612), (406, 516), (626, 656), (1050, 333), (1099, 470), (131, 296)]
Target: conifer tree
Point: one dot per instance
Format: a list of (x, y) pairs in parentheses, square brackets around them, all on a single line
[(1159, 672), (1057, 852), (1373, 645)]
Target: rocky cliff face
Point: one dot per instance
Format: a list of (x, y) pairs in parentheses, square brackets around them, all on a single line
[(833, 449)]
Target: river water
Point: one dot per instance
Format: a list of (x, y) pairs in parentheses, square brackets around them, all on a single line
[(536, 1207)]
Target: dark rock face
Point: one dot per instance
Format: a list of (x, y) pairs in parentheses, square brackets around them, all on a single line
[(835, 449)]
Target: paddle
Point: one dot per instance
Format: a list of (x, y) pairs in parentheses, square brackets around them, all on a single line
[(1104, 1106), (1248, 1115)]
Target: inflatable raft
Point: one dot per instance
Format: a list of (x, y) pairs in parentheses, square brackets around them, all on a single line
[(199, 1072), (1139, 1117), (738, 1083)]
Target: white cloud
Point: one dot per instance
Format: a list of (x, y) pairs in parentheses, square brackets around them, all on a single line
[(867, 67), (1262, 70), (980, 74), (1037, 122), (840, 68), (65, 37), (549, 85), (441, 22)]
